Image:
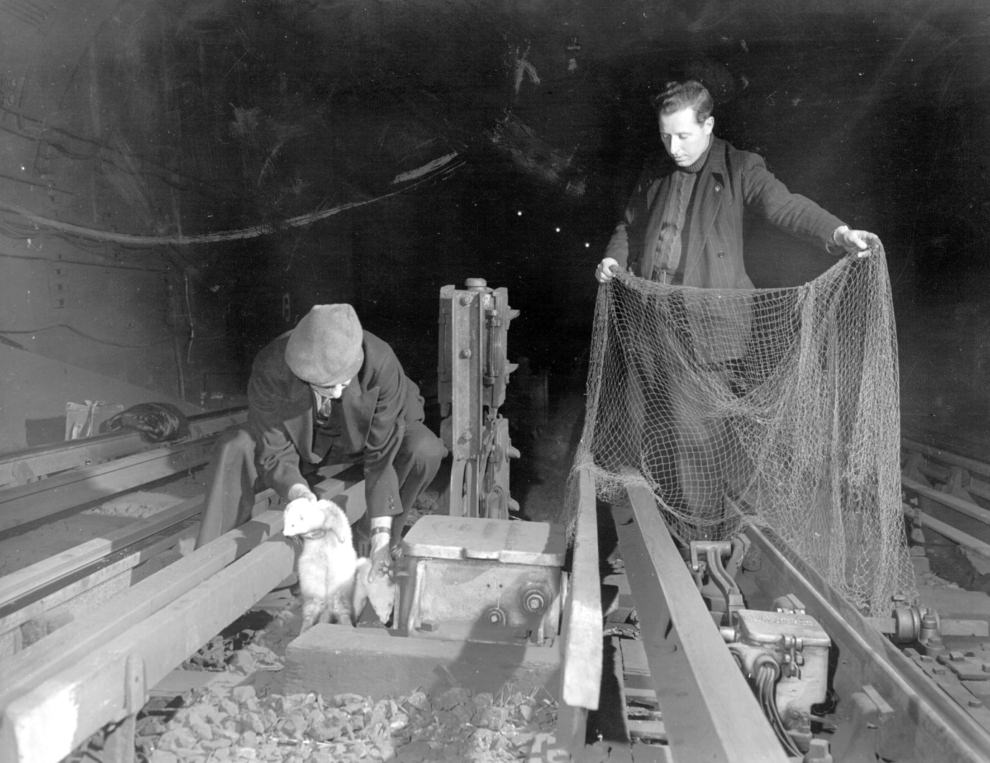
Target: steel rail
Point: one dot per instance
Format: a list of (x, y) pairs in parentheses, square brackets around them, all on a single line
[(709, 711), (29, 593), (582, 627), (24, 466), (85, 486), (927, 725), (96, 670), (108, 683), (20, 585)]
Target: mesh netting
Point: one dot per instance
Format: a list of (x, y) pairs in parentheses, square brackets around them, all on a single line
[(772, 406)]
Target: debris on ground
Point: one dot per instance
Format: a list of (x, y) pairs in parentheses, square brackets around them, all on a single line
[(243, 717), (237, 723)]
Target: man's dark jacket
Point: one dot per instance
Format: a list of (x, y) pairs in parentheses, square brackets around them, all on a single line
[(730, 182), (374, 411)]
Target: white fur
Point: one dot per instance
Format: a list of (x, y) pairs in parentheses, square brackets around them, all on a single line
[(327, 563)]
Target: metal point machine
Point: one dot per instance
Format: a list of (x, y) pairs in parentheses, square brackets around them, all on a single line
[(475, 573)]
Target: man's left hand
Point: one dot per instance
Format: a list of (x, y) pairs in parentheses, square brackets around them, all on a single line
[(861, 243)]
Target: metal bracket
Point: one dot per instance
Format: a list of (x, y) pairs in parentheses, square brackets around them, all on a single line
[(720, 590)]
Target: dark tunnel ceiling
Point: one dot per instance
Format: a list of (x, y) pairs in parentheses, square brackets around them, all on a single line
[(327, 103), (377, 88)]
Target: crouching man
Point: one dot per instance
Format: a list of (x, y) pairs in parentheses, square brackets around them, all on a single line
[(327, 392)]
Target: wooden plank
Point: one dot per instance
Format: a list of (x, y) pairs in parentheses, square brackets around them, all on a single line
[(40, 574), (86, 485), (28, 465), (47, 722), (710, 711), (48, 572), (87, 633), (582, 628), (968, 508), (375, 662), (61, 596), (947, 457), (950, 532), (71, 642), (51, 583), (944, 474)]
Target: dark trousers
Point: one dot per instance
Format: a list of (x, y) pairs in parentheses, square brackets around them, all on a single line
[(233, 478)]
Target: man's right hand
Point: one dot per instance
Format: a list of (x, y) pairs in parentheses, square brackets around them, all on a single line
[(606, 270)]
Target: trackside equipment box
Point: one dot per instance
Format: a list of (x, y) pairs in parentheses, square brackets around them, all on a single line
[(488, 580)]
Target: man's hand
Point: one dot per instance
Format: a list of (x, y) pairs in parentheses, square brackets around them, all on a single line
[(862, 243), (381, 555), (381, 547), (606, 270)]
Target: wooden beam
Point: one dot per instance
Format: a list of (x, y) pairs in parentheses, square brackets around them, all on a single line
[(955, 503), (63, 596), (47, 722), (952, 533), (71, 642), (709, 711), (24, 466), (947, 457), (34, 590), (21, 583), (83, 486)]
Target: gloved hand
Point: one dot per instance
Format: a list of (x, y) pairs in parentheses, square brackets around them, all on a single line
[(606, 270), (381, 547), (859, 242)]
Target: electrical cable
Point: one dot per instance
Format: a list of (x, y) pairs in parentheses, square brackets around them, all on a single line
[(82, 263), (84, 335), (41, 136), (766, 682), (255, 231)]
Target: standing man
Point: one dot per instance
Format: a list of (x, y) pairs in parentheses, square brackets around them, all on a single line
[(683, 225), (684, 221), (328, 392)]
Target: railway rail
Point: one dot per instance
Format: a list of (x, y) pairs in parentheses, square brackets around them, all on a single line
[(684, 695)]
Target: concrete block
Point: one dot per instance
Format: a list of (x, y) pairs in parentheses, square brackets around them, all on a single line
[(339, 659)]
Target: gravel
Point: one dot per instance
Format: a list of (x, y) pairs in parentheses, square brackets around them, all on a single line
[(243, 717)]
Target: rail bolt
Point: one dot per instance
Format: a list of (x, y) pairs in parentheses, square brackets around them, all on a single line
[(534, 601), (495, 616)]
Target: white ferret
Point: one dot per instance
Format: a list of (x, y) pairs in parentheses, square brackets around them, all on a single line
[(328, 563)]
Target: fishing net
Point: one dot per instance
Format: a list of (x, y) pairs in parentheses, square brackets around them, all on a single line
[(777, 407)]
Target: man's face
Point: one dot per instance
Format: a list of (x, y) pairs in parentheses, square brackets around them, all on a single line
[(333, 391), (682, 136)]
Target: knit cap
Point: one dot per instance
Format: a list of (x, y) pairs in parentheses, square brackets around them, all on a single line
[(325, 346)]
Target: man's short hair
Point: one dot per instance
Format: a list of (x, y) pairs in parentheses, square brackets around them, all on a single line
[(689, 94)]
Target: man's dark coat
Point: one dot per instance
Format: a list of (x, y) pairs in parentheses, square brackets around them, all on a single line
[(374, 410), (730, 182)]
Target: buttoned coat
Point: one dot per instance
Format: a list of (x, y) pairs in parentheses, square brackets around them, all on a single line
[(374, 412)]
